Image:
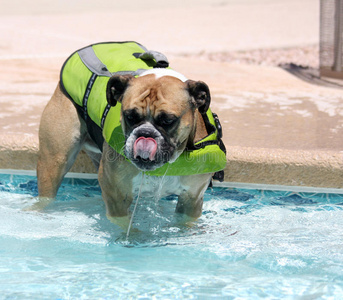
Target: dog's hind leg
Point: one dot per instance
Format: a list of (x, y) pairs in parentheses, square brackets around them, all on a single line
[(61, 136)]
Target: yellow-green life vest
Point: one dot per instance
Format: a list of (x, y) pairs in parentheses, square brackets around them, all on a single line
[(84, 78)]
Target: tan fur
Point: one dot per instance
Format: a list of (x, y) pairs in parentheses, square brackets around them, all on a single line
[(164, 94)]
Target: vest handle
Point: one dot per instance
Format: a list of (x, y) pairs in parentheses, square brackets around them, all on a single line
[(161, 59)]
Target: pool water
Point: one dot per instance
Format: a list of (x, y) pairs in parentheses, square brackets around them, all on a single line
[(248, 244)]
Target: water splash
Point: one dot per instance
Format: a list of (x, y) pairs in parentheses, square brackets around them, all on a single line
[(135, 206)]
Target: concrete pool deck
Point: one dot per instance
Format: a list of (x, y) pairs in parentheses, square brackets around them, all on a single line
[(277, 128)]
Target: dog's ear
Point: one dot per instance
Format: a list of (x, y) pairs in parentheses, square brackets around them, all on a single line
[(200, 94), (116, 87)]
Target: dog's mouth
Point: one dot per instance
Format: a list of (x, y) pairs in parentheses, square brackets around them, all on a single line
[(145, 149), (145, 153)]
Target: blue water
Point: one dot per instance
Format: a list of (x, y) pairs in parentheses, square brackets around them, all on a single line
[(248, 244)]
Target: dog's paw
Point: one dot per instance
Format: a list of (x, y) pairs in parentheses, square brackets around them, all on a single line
[(122, 222), (39, 206), (186, 221)]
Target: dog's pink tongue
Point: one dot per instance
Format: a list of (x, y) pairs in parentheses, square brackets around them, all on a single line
[(145, 148)]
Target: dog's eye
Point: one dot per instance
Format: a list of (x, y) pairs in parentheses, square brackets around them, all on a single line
[(132, 116), (166, 120)]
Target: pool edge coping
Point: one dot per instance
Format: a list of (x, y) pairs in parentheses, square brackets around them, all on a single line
[(238, 185)]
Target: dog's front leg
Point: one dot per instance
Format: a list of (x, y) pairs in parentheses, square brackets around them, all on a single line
[(191, 200), (115, 178)]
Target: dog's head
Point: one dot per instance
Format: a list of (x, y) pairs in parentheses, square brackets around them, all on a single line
[(158, 114)]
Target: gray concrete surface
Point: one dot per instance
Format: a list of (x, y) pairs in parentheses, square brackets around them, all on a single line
[(277, 129)]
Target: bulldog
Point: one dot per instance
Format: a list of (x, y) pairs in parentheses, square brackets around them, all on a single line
[(161, 117)]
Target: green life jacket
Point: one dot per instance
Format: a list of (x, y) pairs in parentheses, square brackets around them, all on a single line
[(84, 78)]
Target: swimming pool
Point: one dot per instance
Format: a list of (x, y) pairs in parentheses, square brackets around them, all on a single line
[(249, 243)]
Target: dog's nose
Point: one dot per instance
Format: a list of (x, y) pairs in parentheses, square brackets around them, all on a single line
[(146, 130)]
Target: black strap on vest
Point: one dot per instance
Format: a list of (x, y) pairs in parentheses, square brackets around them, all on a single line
[(86, 95), (104, 115), (220, 174)]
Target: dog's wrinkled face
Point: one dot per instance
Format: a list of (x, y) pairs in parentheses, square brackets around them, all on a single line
[(158, 116)]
